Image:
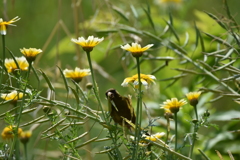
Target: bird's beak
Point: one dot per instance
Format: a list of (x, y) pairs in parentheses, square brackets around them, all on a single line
[(110, 95)]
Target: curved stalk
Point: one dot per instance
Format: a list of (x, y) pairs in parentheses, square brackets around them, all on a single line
[(95, 89)]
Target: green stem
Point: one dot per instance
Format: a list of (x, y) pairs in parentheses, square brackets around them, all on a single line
[(95, 89), (149, 148), (4, 53), (176, 131), (196, 113), (115, 139), (194, 133), (25, 151), (192, 146), (203, 154), (20, 114), (139, 111), (168, 130), (209, 73), (171, 152), (3, 61)]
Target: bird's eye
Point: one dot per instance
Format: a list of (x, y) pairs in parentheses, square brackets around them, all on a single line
[(110, 95)]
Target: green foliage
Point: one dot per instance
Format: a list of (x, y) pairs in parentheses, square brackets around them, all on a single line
[(194, 52)]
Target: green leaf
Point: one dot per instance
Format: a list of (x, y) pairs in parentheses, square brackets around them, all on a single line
[(147, 12), (64, 79), (120, 12), (221, 41), (80, 89), (199, 36), (75, 94), (35, 73), (152, 36), (47, 80), (217, 20), (230, 16), (173, 30), (134, 11)]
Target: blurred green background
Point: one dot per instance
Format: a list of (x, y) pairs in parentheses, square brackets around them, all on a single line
[(50, 25)]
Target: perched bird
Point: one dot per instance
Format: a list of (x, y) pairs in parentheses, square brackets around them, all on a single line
[(120, 107)]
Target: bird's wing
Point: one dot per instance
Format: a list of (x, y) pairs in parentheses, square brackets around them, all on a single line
[(130, 105)]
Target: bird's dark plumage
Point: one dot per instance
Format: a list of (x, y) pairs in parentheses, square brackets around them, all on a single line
[(120, 106)]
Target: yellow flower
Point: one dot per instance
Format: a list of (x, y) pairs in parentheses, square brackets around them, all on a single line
[(3, 24), (14, 95), (7, 132), (76, 74), (30, 53), (145, 80), (12, 66), (193, 97), (154, 137), (173, 105), (168, 114), (136, 49), (24, 136), (170, 1), (89, 43)]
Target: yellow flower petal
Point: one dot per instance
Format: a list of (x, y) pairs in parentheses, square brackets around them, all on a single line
[(89, 43), (136, 49), (76, 74), (30, 53), (3, 24), (193, 97), (12, 66), (14, 95), (173, 105), (145, 80), (7, 132)]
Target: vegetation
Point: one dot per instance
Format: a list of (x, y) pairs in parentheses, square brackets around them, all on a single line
[(70, 73)]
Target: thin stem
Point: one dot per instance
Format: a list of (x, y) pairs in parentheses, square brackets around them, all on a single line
[(192, 146), (20, 113), (115, 139), (139, 111), (168, 130), (194, 133), (184, 55), (3, 60), (4, 51), (95, 89), (25, 151), (196, 113), (176, 131), (203, 154), (172, 152)]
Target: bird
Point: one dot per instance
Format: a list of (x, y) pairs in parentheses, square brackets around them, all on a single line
[(120, 108)]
